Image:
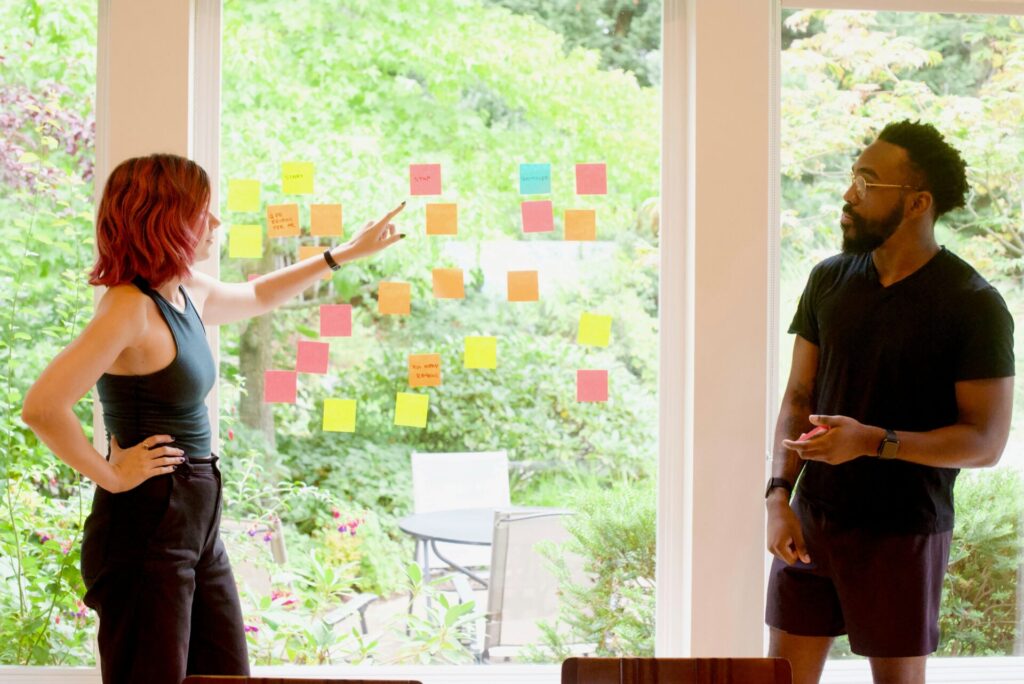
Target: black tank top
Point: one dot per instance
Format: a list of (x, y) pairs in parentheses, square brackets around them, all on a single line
[(171, 400)]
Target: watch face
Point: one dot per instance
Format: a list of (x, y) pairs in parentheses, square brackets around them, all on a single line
[(889, 449)]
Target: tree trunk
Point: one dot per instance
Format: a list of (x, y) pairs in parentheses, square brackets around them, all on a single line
[(254, 358)]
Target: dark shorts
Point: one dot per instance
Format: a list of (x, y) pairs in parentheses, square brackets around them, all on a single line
[(883, 590)]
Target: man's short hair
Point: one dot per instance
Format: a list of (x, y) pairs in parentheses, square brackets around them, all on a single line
[(939, 167)]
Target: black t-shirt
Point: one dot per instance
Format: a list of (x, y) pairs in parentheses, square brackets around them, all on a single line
[(889, 357)]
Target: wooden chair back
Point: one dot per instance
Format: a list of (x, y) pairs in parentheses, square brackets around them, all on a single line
[(676, 671)]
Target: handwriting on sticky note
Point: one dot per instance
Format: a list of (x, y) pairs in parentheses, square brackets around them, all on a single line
[(245, 242), (580, 224), (325, 220), (535, 179), (538, 216), (522, 286), (481, 352), (591, 179), (335, 320), (297, 178), (448, 283), (442, 219), (339, 415), (280, 386), (411, 409), (424, 179), (282, 220), (243, 195), (424, 370), (312, 357), (393, 299), (591, 385), (595, 329)]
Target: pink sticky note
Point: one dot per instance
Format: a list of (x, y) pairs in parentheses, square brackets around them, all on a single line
[(538, 217), (424, 179), (312, 357), (591, 179), (279, 386), (591, 385), (335, 320)]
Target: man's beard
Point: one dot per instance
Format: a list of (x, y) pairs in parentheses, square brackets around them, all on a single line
[(864, 235)]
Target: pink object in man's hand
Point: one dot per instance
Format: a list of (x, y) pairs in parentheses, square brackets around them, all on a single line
[(811, 434)]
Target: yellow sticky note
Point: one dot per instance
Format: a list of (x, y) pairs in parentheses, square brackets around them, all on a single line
[(411, 409), (393, 298), (325, 220), (580, 224), (424, 370), (449, 283), (442, 219), (243, 195), (595, 329), (282, 220), (481, 352), (297, 178), (245, 242), (339, 415), (522, 286), (307, 251)]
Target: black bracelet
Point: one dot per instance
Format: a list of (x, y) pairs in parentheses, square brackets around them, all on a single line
[(330, 260)]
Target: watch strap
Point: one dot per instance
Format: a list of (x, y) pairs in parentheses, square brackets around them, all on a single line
[(330, 260), (778, 482), (889, 446)]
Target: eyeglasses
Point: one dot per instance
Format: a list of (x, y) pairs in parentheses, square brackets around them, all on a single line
[(860, 186)]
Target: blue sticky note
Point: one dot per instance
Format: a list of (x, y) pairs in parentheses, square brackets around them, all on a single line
[(535, 179)]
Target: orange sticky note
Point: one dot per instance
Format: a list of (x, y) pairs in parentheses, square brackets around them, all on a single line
[(339, 415), (411, 409), (448, 283), (580, 224), (522, 286), (442, 219), (424, 370), (325, 220), (282, 220), (307, 251), (393, 298)]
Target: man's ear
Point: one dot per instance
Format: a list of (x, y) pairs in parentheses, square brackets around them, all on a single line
[(921, 204)]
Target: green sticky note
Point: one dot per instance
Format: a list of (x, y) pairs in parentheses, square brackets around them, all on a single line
[(595, 329), (481, 352), (339, 415), (243, 195), (297, 178), (411, 409), (245, 242)]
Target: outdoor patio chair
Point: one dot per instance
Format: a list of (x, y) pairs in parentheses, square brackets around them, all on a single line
[(222, 679), (676, 671), (444, 481)]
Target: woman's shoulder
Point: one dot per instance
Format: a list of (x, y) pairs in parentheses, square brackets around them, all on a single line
[(124, 300)]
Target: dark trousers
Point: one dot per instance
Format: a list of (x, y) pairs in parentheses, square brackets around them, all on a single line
[(157, 574)]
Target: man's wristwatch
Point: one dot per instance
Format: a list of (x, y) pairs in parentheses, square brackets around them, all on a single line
[(889, 446), (779, 482)]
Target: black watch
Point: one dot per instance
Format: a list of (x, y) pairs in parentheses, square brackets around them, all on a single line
[(889, 446), (779, 482)]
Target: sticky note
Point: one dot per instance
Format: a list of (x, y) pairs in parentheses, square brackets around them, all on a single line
[(307, 251), (535, 179), (580, 224), (424, 370), (449, 283), (522, 286), (411, 409), (279, 386), (335, 320), (481, 352), (595, 329), (297, 178), (325, 220), (312, 357), (591, 179), (442, 219), (243, 195), (591, 385), (245, 242), (424, 179), (339, 415), (282, 220), (538, 217), (393, 298)]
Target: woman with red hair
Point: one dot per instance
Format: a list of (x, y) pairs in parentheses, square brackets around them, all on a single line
[(153, 564)]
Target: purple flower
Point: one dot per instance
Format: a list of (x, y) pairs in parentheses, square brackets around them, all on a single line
[(342, 528), (267, 537), (251, 629)]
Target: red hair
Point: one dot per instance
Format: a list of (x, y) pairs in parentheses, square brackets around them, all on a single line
[(146, 224)]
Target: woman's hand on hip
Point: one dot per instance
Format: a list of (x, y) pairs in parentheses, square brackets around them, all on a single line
[(135, 465)]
